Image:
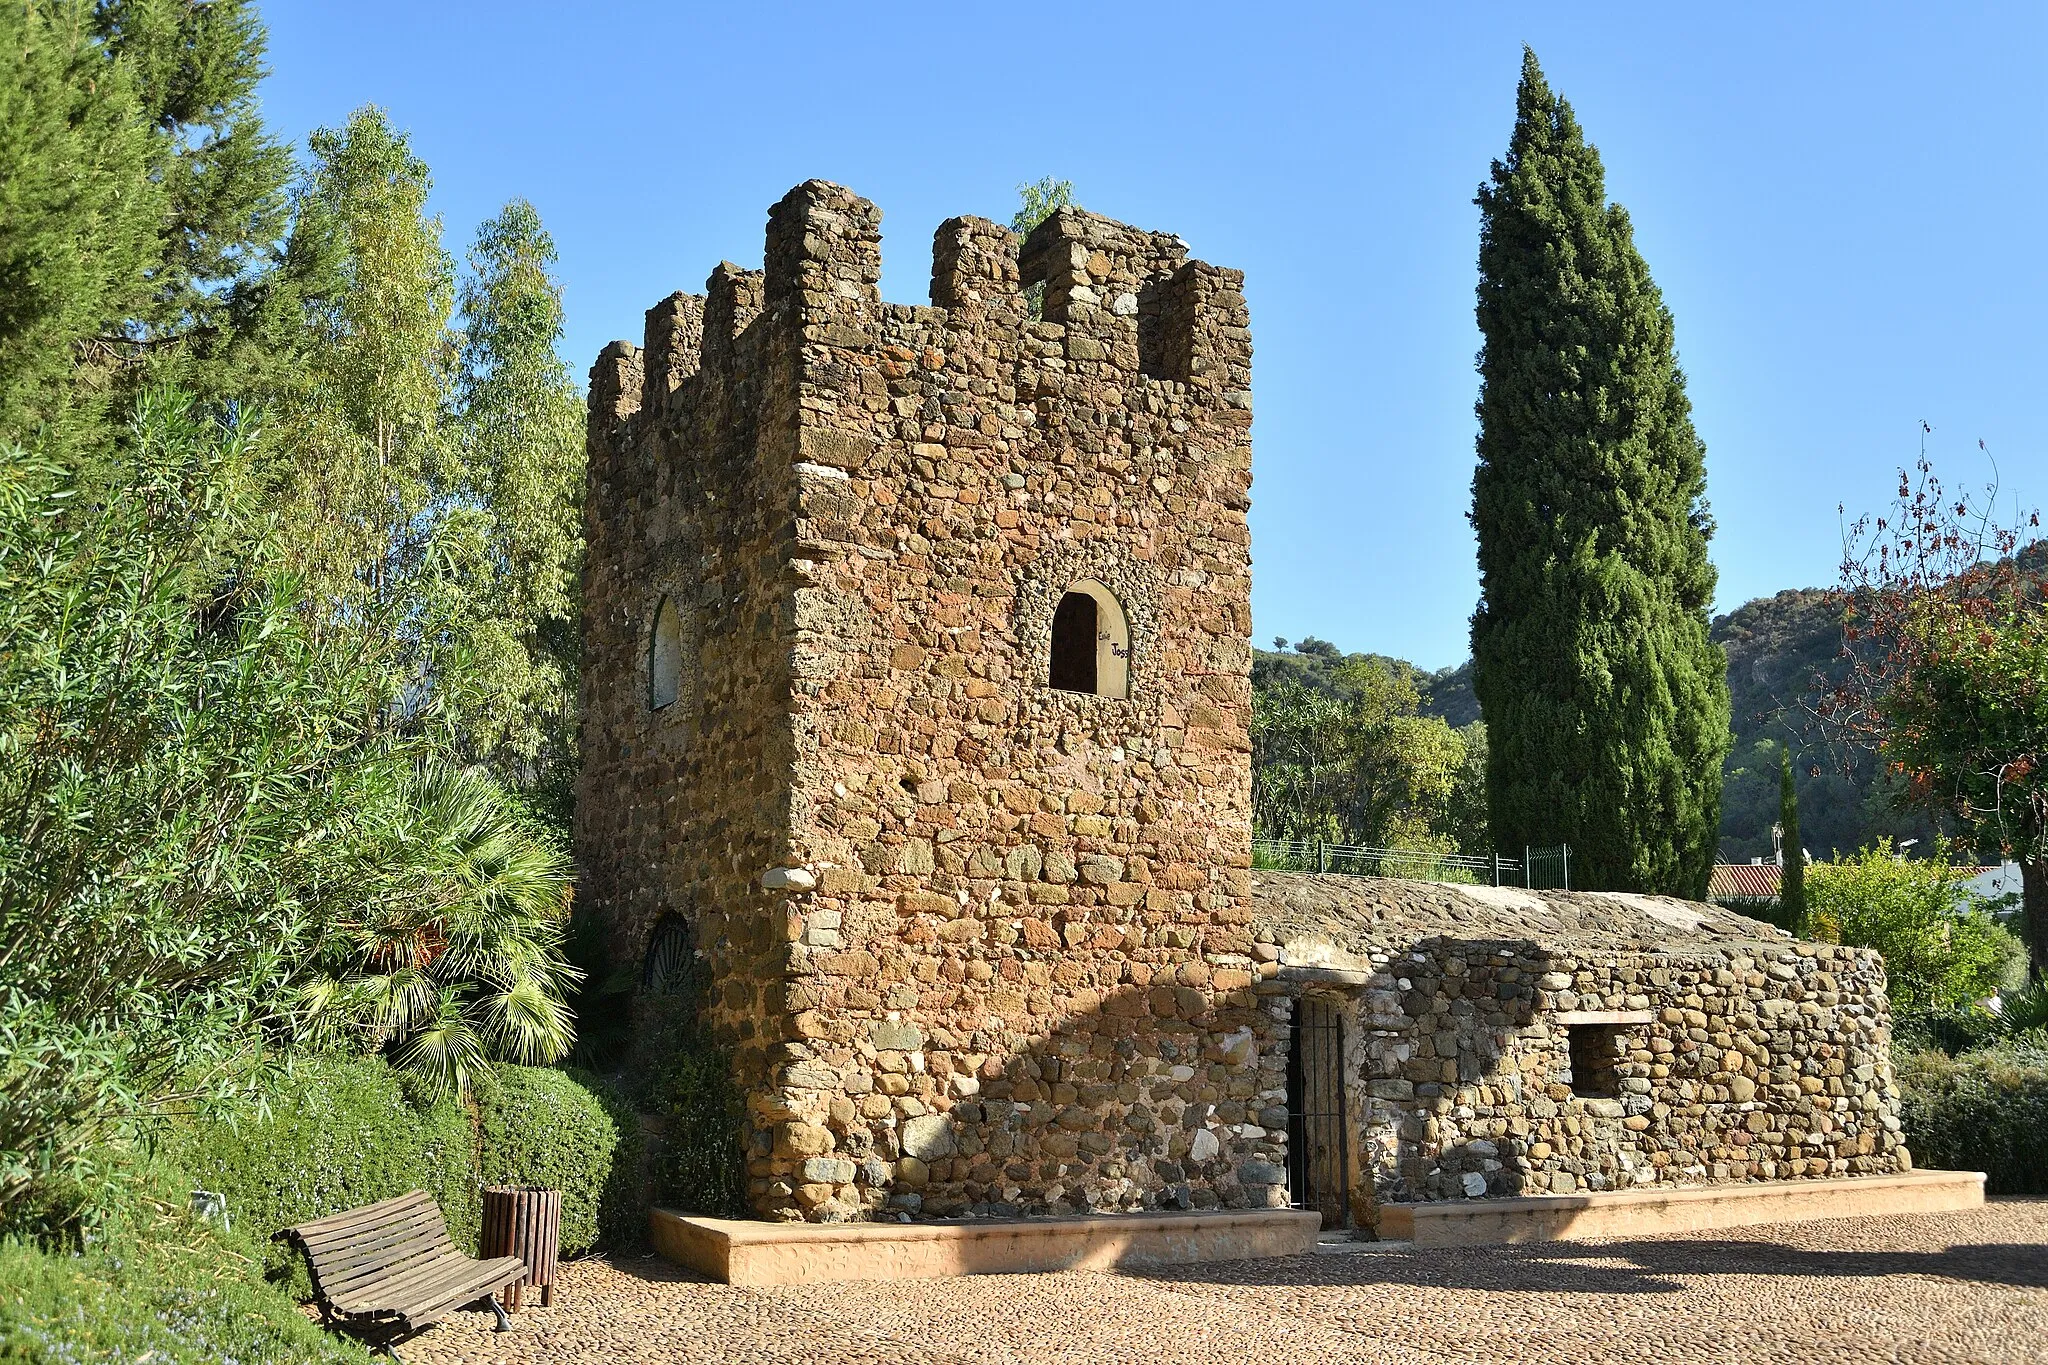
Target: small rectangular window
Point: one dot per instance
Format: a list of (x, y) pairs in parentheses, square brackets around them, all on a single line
[(1595, 1053)]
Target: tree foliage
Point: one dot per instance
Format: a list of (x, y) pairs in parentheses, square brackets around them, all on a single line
[(1945, 613), (505, 610), (241, 680), (1357, 763), (1940, 949), (195, 69), (1039, 200), (1607, 704), (362, 434), (142, 210), (81, 218), (1792, 873)]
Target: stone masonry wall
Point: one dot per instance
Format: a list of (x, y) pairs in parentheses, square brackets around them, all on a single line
[(980, 945), (1760, 1062)]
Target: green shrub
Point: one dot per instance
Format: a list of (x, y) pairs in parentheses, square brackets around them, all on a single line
[(1940, 952), (339, 1132), (698, 1166), (622, 1208), (174, 1292), (567, 1131), (1986, 1110)]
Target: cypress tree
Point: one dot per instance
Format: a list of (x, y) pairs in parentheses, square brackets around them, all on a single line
[(1792, 856), (81, 219), (1606, 704)]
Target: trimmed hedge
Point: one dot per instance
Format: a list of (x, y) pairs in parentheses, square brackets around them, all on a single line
[(568, 1131), (341, 1132), (1986, 1110)]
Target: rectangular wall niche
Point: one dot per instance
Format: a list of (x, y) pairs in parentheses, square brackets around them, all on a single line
[(1595, 1050)]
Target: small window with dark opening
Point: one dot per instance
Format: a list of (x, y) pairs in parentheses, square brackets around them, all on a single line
[(1595, 1053), (1091, 643), (665, 656), (1073, 643)]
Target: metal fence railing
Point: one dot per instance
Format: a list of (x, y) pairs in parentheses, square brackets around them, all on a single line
[(1542, 869)]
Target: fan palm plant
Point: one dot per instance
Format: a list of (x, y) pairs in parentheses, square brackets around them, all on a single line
[(443, 945)]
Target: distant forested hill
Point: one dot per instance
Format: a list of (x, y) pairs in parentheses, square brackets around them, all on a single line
[(1446, 692), (1777, 648)]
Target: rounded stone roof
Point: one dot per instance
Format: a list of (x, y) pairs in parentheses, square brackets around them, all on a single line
[(1363, 915)]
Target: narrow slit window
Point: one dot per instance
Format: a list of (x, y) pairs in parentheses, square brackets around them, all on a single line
[(665, 656), (1091, 643)]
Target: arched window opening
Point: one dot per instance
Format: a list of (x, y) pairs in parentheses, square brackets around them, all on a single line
[(1073, 643), (665, 656), (1091, 642)]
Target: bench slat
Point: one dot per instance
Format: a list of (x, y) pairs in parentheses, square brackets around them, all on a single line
[(417, 1216), (337, 1274), (350, 1282), (492, 1283), (375, 1281), (446, 1286), (387, 1242), (368, 1213)]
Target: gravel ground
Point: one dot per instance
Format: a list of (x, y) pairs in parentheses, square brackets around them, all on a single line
[(1928, 1287)]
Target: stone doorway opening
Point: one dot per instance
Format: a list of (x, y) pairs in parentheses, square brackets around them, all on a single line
[(1318, 1133)]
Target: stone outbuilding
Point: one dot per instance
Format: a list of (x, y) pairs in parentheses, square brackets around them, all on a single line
[(916, 696), (1460, 1042)]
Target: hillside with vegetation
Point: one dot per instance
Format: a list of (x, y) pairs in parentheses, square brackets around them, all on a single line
[(1782, 651)]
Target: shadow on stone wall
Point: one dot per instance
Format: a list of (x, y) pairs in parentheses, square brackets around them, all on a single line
[(1166, 1095)]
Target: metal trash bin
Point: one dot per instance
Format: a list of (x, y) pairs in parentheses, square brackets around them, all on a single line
[(524, 1221)]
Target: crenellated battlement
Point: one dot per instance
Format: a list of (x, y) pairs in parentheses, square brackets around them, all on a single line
[(1119, 299)]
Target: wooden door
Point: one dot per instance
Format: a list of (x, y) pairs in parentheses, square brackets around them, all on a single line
[(1318, 1138)]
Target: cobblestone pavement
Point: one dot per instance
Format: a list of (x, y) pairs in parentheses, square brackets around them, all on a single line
[(1920, 1288)]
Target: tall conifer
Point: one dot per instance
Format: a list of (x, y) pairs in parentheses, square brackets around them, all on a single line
[(1606, 704), (1792, 853)]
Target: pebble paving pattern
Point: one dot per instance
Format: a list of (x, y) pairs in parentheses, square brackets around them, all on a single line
[(1958, 1287)]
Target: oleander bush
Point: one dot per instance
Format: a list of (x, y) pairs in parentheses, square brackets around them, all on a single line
[(1985, 1110)]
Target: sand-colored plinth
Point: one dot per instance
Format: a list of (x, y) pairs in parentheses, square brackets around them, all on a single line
[(1643, 1213), (759, 1254)]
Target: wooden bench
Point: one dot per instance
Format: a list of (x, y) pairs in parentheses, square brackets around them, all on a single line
[(388, 1270)]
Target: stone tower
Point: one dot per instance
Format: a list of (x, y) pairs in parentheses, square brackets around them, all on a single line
[(916, 697)]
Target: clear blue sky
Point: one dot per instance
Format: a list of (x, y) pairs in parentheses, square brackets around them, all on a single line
[(1845, 205)]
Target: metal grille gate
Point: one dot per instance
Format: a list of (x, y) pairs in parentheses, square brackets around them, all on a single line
[(1318, 1143)]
